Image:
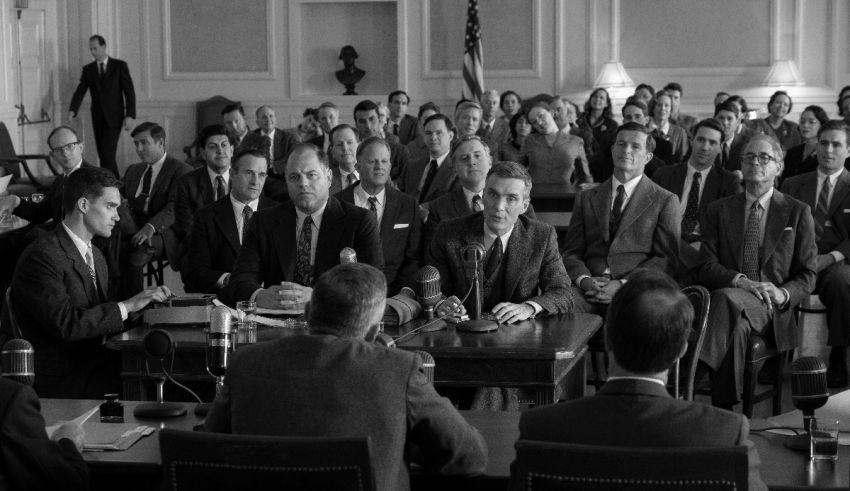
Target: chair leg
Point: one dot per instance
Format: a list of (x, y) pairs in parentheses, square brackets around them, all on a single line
[(751, 370)]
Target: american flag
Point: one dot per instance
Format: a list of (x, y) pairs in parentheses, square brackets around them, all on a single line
[(473, 60)]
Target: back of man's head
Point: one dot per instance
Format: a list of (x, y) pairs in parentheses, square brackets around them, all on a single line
[(347, 300), (648, 323)]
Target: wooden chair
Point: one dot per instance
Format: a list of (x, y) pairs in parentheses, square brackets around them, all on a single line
[(760, 348), (12, 162), (203, 461), (560, 466), (207, 112), (700, 299)]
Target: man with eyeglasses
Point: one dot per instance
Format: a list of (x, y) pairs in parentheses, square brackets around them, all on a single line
[(759, 260)]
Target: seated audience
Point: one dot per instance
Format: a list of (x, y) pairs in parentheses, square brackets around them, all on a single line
[(468, 116), (720, 97), (60, 294), (429, 178), (659, 112), (759, 260), (344, 141), (233, 118), (802, 158), (28, 458), (510, 103), (565, 114), (646, 331), (634, 111), (786, 132), (492, 128), (684, 121), (308, 128), (728, 114), (398, 217), (598, 117), (328, 120), (219, 228), (644, 93), (417, 149), (625, 223), (368, 123), (336, 382), (552, 156), (288, 246), (523, 276), (275, 144), (400, 124), (844, 106), (510, 151)]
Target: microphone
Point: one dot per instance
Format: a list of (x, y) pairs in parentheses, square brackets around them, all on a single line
[(17, 360), (219, 348), (158, 344), (428, 364), (808, 392), (428, 289), (347, 255), (473, 254)]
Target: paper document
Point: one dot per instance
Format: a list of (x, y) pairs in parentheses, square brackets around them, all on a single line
[(79, 420)]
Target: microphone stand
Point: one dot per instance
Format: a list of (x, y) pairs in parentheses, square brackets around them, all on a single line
[(475, 322), (159, 409)]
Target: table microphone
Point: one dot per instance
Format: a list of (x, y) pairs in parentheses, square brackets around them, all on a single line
[(428, 364), (347, 255), (808, 392), (473, 254), (17, 360), (158, 344), (428, 289), (219, 348)]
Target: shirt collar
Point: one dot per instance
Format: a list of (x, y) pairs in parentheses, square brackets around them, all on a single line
[(763, 199), (79, 243), (635, 377), (439, 159), (832, 177), (77, 166), (469, 195), (491, 236), (238, 205), (629, 186), (317, 215), (693, 170), (359, 191), (213, 175)]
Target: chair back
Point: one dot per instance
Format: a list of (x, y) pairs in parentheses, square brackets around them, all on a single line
[(203, 461), (701, 300), (207, 112), (547, 466), (8, 158)]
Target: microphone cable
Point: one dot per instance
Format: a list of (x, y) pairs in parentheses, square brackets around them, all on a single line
[(417, 330), (171, 379)]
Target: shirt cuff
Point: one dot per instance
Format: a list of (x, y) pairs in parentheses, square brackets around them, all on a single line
[(536, 306), (787, 299), (736, 278), (123, 309), (220, 282), (837, 255), (152, 227), (580, 278)]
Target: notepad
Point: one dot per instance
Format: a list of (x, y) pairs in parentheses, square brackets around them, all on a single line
[(112, 436)]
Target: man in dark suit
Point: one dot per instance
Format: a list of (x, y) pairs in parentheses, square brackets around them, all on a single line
[(344, 141), (276, 144), (634, 111), (697, 183), (149, 189), (113, 100), (492, 127), (368, 123), (400, 124), (287, 247), (417, 149), (468, 115), (645, 333), (759, 260), (397, 214), (827, 191), (28, 458), (686, 121), (728, 114), (328, 120), (336, 382), (430, 178), (523, 275), (625, 223), (219, 228), (233, 118), (59, 294)]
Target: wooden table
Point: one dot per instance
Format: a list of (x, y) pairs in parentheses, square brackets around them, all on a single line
[(535, 355), (140, 467)]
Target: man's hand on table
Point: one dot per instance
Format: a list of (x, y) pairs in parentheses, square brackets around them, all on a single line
[(72, 431), (287, 295), (143, 298), (508, 313)]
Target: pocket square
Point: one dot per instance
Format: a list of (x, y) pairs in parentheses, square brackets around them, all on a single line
[(846, 210), (788, 229), (400, 225)]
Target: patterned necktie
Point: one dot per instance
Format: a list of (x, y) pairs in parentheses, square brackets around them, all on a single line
[(616, 211), (220, 188), (373, 205), (90, 264), (476, 203), (247, 212), (494, 260), (303, 268), (821, 214), (429, 177), (269, 148), (140, 201), (751, 243), (395, 129), (691, 220)]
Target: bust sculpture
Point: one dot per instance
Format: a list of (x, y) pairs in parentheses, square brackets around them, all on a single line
[(350, 74)]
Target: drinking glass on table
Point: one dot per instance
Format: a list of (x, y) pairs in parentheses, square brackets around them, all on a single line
[(824, 439), (245, 311)]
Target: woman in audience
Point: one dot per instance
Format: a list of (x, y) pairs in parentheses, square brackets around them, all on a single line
[(660, 109), (598, 117), (802, 158), (309, 127), (520, 128), (844, 107), (787, 133), (550, 154), (511, 103), (845, 92)]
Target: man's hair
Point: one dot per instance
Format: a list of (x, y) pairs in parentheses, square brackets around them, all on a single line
[(328, 105), (711, 124), (775, 146), (302, 148), (100, 40), (425, 107), (674, 86), (212, 130), (727, 106), (398, 92), (457, 142), (841, 98), (632, 126), (648, 322), (236, 106), (257, 112), (368, 142), (605, 112), (741, 101), (836, 125), (466, 105), (247, 151), (841, 105), (441, 117), (310, 111), (505, 95), (346, 299), (60, 128), (86, 182), (511, 170), (156, 131), (819, 112), (648, 87), (722, 93), (365, 105), (341, 127), (634, 101), (780, 93)]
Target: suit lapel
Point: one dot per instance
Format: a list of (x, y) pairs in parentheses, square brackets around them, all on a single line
[(205, 187), (637, 204), (391, 210), (459, 203), (286, 241), (842, 187), (80, 266), (442, 181), (225, 220), (517, 258), (679, 175), (331, 228), (735, 212), (601, 204), (777, 217), (809, 188), (158, 185)]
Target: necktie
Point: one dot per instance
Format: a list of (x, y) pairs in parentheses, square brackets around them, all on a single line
[(690, 220), (429, 177), (351, 179), (616, 211), (751, 243), (220, 188), (90, 264), (267, 143), (246, 217), (395, 129), (725, 161), (140, 201), (303, 269), (494, 260), (487, 130), (476, 203), (373, 205), (822, 208), (102, 69)]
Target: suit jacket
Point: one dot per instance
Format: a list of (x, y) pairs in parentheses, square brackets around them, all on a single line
[(113, 98), (499, 133), (836, 235), (193, 191), (282, 144), (679, 139), (648, 235), (213, 245), (267, 256), (788, 257), (64, 316), (401, 237), (28, 459), (407, 129), (336, 182), (302, 386), (163, 192), (50, 207), (533, 270), (685, 121), (399, 158), (640, 413), (719, 183), (735, 151), (444, 181), (417, 150)]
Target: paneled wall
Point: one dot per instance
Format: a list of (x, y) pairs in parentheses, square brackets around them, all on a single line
[(285, 52)]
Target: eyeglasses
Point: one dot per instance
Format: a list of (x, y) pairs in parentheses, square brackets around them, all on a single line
[(762, 158), (67, 148)]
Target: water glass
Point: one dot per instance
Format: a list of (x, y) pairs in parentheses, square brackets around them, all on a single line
[(245, 311), (824, 437)]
